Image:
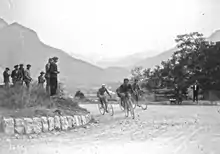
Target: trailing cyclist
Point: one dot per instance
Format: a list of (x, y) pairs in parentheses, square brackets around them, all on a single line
[(102, 98), (136, 89)]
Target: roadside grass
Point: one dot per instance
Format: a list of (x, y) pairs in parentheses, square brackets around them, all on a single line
[(19, 102)]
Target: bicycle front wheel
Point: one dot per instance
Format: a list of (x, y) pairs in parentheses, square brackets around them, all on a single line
[(101, 109), (131, 108), (126, 108), (121, 105), (110, 109)]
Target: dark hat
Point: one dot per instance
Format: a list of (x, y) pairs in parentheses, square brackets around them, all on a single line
[(28, 65), (42, 72), (21, 65), (126, 79), (55, 58), (7, 68), (16, 66)]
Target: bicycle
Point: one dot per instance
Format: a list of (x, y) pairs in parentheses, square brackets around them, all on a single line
[(135, 98), (103, 107), (128, 106)]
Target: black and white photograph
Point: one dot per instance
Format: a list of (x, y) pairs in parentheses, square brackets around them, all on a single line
[(110, 77)]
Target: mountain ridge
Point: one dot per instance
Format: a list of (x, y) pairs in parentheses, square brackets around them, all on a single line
[(19, 44)]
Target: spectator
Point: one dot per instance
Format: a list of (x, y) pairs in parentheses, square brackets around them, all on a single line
[(27, 76), (14, 75), (47, 75), (53, 76), (21, 74), (41, 79), (195, 88), (6, 76)]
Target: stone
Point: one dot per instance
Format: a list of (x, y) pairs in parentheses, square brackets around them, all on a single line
[(19, 126), (88, 117), (28, 125), (45, 124), (83, 118), (37, 125), (51, 124), (70, 121), (57, 125), (8, 126), (78, 120), (63, 122), (74, 121)]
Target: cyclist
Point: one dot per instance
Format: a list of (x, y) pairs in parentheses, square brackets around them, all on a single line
[(136, 89), (124, 89), (102, 97)]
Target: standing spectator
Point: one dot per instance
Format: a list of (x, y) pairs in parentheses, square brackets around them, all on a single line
[(41, 80), (21, 74), (27, 76), (53, 77), (6, 76), (195, 88), (14, 75), (47, 75)]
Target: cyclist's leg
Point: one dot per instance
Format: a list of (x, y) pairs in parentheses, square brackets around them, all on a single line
[(106, 103), (122, 100), (101, 101)]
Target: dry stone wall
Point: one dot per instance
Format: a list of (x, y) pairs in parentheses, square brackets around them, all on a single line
[(39, 125)]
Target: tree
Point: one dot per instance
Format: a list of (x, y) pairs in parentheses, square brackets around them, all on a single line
[(137, 73)]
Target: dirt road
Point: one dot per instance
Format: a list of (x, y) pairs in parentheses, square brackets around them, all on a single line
[(158, 130)]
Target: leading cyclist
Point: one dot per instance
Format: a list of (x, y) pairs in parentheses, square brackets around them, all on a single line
[(124, 90), (102, 97)]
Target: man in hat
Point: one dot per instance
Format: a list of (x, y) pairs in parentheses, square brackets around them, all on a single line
[(195, 88), (6, 76), (21, 74), (47, 75), (27, 76), (14, 75), (41, 79), (53, 76)]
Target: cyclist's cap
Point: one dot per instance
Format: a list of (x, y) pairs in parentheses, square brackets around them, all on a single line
[(55, 58), (126, 79), (42, 72), (21, 65), (103, 85), (7, 68), (16, 66)]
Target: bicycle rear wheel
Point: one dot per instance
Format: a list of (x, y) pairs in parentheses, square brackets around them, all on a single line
[(143, 106), (101, 108), (110, 109)]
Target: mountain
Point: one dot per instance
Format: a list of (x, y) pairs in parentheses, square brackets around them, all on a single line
[(214, 37), (3, 23), (155, 60), (19, 44), (126, 61)]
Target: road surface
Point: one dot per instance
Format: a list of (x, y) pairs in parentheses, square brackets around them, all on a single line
[(158, 130)]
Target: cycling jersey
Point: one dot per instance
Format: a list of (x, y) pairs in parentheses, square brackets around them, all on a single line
[(102, 91), (125, 88), (135, 86)]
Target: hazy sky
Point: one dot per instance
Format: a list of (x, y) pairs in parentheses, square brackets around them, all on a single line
[(113, 28)]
